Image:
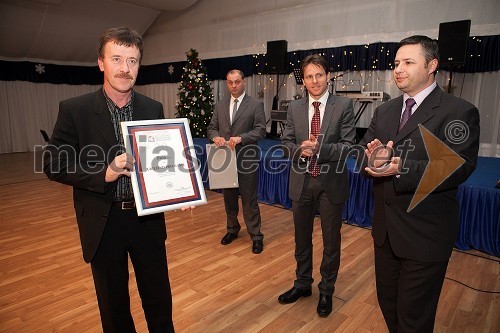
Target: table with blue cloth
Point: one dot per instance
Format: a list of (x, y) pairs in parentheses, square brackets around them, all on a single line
[(480, 208), (478, 199)]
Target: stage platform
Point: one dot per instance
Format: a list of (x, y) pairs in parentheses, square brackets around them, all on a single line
[(479, 200)]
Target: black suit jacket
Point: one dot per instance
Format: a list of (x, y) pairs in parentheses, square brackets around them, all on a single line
[(428, 232), (336, 136), (82, 146)]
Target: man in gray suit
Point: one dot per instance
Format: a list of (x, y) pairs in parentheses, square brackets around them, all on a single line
[(239, 121), (317, 138)]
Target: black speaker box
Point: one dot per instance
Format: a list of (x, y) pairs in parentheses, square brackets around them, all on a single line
[(276, 57), (452, 42)]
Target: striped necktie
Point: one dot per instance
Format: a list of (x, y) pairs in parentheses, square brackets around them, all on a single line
[(235, 108)]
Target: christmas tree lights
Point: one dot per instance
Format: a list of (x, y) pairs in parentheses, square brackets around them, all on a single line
[(195, 97)]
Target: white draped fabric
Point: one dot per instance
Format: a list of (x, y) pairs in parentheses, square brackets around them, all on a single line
[(27, 107), (223, 28)]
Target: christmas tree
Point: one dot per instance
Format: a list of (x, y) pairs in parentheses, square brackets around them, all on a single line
[(196, 100)]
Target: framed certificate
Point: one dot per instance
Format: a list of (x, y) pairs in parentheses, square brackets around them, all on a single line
[(166, 173)]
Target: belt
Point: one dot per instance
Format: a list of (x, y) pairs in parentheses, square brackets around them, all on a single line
[(124, 204)]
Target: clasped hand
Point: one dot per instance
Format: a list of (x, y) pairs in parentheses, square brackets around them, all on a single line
[(381, 162), (309, 147), (233, 141)]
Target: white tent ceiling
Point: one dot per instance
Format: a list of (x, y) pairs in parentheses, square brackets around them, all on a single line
[(67, 31)]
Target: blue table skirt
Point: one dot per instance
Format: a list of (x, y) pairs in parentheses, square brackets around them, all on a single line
[(480, 209), (479, 200)]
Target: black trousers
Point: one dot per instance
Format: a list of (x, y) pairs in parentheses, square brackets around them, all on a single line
[(251, 213), (125, 236), (304, 210), (407, 290)]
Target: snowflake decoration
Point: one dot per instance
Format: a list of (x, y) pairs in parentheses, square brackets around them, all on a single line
[(170, 69), (40, 69)]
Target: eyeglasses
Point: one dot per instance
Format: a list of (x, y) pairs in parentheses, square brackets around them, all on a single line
[(131, 62), (318, 77)]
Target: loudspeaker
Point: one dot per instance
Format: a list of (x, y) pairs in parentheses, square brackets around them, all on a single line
[(452, 42), (276, 57)]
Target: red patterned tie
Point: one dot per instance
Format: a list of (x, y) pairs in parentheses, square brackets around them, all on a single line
[(315, 129)]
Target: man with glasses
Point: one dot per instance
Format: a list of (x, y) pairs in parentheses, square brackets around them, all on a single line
[(317, 139), (239, 121)]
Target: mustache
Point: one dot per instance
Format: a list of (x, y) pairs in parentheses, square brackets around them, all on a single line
[(124, 76)]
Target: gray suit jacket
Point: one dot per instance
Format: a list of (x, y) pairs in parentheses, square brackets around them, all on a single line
[(249, 123), (336, 136)]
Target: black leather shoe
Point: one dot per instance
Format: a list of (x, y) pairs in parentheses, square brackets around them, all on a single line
[(324, 305), (258, 246), (228, 238), (293, 295)]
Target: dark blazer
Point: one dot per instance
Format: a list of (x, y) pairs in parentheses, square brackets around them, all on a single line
[(82, 146), (249, 122), (426, 233), (336, 136)]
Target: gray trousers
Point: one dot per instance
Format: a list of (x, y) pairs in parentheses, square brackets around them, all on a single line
[(251, 213), (313, 197)]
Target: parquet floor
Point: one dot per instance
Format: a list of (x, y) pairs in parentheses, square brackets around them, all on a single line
[(45, 286)]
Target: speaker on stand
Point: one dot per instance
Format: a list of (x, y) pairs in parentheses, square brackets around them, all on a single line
[(276, 64), (274, 123), (276, 57), (452, 41)]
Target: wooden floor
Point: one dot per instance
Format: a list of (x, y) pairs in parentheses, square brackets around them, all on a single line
[(45, 286)]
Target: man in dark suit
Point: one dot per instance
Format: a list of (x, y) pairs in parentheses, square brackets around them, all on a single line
[(86, 151), (317, 138), (413, 244), (239, 121)]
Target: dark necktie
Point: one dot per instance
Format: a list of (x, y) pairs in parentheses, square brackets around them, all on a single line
[(235, 108), (410, 102), (315, 129)]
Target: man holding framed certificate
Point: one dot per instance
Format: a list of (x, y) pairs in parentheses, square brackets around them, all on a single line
[(239, 122), (86, 151)]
